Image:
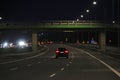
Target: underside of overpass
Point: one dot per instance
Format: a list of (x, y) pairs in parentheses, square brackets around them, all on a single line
[(101, 40)]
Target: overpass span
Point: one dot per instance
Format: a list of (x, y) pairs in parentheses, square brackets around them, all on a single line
[(63, 25)]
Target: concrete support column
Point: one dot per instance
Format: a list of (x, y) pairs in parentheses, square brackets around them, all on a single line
[(102, 40), (34, 41)]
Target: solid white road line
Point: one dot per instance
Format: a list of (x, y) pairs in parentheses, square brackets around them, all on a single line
[(72, 56), (52, 75), (38, 62), (67, 64), (108, 66), (13, 69), (29, 65)]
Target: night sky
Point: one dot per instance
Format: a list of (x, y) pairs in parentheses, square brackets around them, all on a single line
[(37, 10), (40, 10)]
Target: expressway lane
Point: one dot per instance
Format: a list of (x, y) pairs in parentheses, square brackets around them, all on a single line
[(79, 66), (37, 68), (85, 67)]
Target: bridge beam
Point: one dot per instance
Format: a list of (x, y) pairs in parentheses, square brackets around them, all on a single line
[(34, 41), (102, 40)]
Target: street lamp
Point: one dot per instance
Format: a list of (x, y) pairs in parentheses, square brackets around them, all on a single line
[(81, 16), (0, 18), (87, 10), (113, 22), (94, 2)]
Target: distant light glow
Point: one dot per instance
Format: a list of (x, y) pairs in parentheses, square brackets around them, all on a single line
[(21, 43), (110, 41), (94, 2), (83, 42), (82, 16), (87, 11), (113, 21), (0, 18), (5, 44), (11, 45)]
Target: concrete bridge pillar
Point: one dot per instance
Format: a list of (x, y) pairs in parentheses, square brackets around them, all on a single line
[(102, 40), (34, 41)]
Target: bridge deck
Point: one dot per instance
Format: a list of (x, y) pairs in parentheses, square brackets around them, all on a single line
[(59, 25)]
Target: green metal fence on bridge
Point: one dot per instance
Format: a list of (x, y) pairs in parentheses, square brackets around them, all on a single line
[(72, 24)]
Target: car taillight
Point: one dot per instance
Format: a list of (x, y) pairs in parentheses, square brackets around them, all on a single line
[(66, 51), (57, 51)]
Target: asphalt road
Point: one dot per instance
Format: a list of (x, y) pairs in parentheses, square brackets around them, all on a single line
[(82, 65)]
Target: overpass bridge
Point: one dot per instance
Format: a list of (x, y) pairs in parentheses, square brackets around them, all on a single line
[(62, 26)]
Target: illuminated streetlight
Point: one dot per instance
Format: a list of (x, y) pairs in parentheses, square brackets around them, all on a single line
[(87, 11), (81, 16), (113, 22), (0, 18), (94, 2)]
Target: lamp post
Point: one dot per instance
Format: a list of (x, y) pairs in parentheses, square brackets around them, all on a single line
[(94, 3), (113, 15), (89, 24), (88, 11)]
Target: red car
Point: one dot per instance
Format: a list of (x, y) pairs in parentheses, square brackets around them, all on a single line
[(62, 52)]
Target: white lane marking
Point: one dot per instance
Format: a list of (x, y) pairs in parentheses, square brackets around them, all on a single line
[(29, 65), (52, 57), (67, 64), (108, 66), (62, 69), (25, 58), (38, 62), (52, 75), (72, 56), (13, 69)]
